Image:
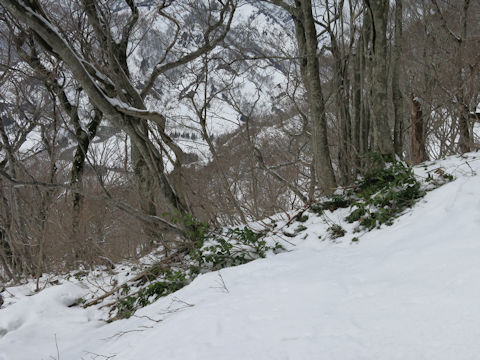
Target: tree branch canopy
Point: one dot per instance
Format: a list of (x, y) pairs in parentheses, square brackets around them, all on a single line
[(48, 33)]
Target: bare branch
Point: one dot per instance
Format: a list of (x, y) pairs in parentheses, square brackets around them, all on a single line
[(456, 37), (208, 46), (276, 175)]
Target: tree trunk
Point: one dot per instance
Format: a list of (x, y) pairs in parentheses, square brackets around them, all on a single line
[(365, 58), (465, 140), (397, 96), (342, 101), (419, 154), (307, 45), (382, 134), (78, 166), (357, 102)]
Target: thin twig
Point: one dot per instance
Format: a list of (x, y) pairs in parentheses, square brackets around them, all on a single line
[(56, 345), (222, 284)]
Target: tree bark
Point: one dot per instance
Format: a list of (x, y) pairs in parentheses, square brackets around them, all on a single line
[(382, 134), (78, 165), (465, 140), (397, 96), (342, 97), (357, 102), (365, 59), (419, 153), (306, 36)]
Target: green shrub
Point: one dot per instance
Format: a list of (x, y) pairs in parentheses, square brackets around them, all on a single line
[(300, 228), (238, 246), (379, 196), (212, 251), (438, 177), (302, 218), (382, 194), (333, 203), (356, 214), (336, 231), (196, 231), (171, 282)]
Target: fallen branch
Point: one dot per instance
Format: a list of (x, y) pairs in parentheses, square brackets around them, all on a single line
[(150, 270)]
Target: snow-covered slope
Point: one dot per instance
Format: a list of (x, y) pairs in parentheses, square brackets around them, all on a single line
[(409, 291)]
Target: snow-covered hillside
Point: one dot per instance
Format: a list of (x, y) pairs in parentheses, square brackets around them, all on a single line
[(408, 291)]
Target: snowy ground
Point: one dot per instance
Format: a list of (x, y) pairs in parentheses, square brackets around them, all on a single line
[(409, 291)]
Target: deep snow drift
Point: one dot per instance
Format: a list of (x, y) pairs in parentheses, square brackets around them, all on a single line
[(408, 291)]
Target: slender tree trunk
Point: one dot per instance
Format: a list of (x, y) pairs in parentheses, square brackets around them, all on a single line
[(346, 131), (343, 112), (365, 46), (357, 103), (397, 96), (465, 139)]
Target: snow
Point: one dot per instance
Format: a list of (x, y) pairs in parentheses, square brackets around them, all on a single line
[(409, 291)]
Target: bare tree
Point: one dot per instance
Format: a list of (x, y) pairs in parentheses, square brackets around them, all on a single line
[(306, 36), (102, 72), (460, 39)]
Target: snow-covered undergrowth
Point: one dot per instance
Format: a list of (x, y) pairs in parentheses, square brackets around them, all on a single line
[(406, 291)]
